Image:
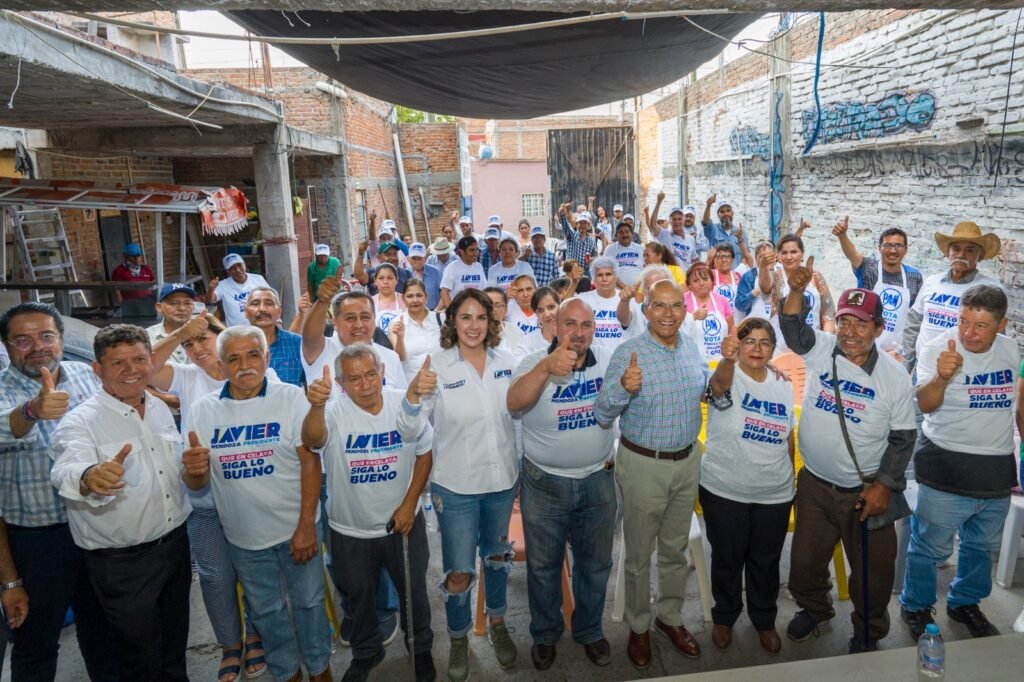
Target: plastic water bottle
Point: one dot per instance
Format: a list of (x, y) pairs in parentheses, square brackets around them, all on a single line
[(428, 510), (931, 655)]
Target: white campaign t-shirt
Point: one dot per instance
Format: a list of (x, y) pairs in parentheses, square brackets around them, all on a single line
[(530, 344), (938, 303), (394, 375), (368, 460), (607, 330), (630, 260), (523, 322), (459, 276), (233, 296), (500, 276), (977, 412), (873, 404), (420, 340), (746, 455), (254, 464), (560, 433), (684, 247)]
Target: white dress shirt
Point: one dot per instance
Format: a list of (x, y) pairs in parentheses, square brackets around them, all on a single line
[(152, 502), (474, 442)]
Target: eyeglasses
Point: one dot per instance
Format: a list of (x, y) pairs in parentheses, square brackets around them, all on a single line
[(754, 343), (893, 247), (27, 343)]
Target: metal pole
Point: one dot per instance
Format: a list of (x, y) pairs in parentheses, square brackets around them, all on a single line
[(183, 243), (159, 235)]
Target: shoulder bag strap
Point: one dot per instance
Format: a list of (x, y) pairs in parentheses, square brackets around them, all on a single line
[(842, 418)]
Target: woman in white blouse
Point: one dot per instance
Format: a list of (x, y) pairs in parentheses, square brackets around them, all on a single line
[(475, 470), (545, 306), (417, 332)]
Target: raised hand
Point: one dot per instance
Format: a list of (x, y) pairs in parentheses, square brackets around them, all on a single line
[(364, 246), (802, 276), (423, 384), (319, 392), (804, 225), (454, 216), (397, 327), (712, 199), (577, 272), (304, 303), (819, 282), (562, 361), (49, 403), (372, 218), (731, 348), (739, 231), (949, 362), (626, 293), (700, 314), (196, 458), (767, 260), (212, 286), (329, 288), (661, 196), (105, 478), (196, 325), (591, 199), (841, 226), (633, 378)]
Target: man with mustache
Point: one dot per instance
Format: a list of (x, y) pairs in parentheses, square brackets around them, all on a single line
[(725, 231), (937, 307), (263, 310)]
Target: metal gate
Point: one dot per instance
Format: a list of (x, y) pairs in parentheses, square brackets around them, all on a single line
[(598, 162)]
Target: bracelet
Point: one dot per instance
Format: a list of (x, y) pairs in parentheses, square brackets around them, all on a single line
[(26, 412), (10, 586)]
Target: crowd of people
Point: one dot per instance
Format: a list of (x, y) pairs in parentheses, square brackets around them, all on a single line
[(491, 372)]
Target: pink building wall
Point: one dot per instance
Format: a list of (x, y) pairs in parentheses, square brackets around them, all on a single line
[(498, 187)]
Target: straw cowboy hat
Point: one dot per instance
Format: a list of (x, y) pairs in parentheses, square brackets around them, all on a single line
[(970, 232), (440, 246)]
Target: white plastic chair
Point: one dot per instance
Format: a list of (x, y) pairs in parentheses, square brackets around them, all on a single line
[(698, 559), (1010, 549)]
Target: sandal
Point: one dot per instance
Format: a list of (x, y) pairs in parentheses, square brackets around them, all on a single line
[(229, 669), (252, 646)]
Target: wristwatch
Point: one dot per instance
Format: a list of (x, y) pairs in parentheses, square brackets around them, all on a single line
[(10, 586)]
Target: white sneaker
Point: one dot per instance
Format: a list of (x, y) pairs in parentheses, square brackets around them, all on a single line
[(1018, 625)]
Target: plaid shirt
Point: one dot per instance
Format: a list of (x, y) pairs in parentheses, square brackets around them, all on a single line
[(665, 414), (545, 267), (485, 259), (286, 358), (27, 498), (576, 246)]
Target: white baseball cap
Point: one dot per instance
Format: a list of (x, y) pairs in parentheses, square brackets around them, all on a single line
[(388, 226), (231, 259), (465, 220), (418, 249), (691, 209), (676, 209), (494, 220), (616, 207), (723, 202), (322, 250), (492, 233), (584, 216), (537, 230), (629, 216)]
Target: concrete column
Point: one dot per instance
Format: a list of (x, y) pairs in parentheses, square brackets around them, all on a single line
[(780, 156), (335, 184), (274, 203)]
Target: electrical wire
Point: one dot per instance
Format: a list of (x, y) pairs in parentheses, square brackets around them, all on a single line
[(1006, 104), (817, 78)]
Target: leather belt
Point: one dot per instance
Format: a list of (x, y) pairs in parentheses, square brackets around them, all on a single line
[(837, 488), (675, 456), (135, 549)]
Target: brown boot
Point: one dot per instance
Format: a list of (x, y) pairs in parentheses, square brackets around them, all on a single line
[(639, 650), (325, 676), (721, 636)]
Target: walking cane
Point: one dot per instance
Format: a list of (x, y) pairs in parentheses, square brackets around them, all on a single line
[(409, 639), (864, 581)]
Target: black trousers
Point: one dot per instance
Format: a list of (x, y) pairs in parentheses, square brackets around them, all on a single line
[(53, 570), (746, 541), (356, 571), (145, 595)]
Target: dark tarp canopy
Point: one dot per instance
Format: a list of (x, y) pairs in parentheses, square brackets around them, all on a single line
[(510, 76)]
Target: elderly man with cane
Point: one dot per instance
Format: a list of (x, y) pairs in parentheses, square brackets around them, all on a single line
[(856, 435)]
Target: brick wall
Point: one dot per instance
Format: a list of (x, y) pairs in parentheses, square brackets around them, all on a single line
[(527, 140), (430, 153)]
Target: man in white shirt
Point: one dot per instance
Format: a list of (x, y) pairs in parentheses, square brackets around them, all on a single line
[(683, 245), (353, 323), (233, 291), (627, 254), (377, 458), (266, 487), (568, 488), (838, 493), (117, 463), (965, 462)]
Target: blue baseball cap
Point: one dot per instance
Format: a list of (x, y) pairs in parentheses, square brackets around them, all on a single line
[(132, 250), (168, 289)]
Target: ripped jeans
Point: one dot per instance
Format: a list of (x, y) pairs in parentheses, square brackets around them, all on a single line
[(467, 522)]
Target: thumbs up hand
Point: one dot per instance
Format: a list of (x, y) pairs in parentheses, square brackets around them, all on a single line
[(700, 314), (319, 392), (949, 362), (195, 326), (562, 361), (105, 479), (49, 403), (329, 287), (423, 384), (633, 378), (841, 226), (802, 276), (196, 458), (731, 348)]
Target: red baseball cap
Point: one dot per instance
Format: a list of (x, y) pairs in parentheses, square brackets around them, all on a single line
[(863, 304)]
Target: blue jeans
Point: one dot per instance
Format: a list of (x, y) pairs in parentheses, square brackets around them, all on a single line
[(263, 573), (938, 517), (580, 511), (466, 523)]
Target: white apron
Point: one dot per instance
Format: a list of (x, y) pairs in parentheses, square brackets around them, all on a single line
[(895, 306), (713, 328), (726, 290)]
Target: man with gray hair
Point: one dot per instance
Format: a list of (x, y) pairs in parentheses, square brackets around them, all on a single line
[(378, 458), (568, 488), (266, 488), (263, 310)]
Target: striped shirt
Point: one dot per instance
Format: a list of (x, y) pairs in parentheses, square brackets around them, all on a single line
[(577, 247), (26, 495), (665, 413), (286, 358)]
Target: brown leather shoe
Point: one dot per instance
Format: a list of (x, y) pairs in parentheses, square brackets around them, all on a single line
[(599, 652), (325, 676), (639, 650), (721, 636), (770, 641), (682, 640)]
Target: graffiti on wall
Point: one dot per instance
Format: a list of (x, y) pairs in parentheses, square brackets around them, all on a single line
[(747, 141), (776, 168), (895, 113)]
